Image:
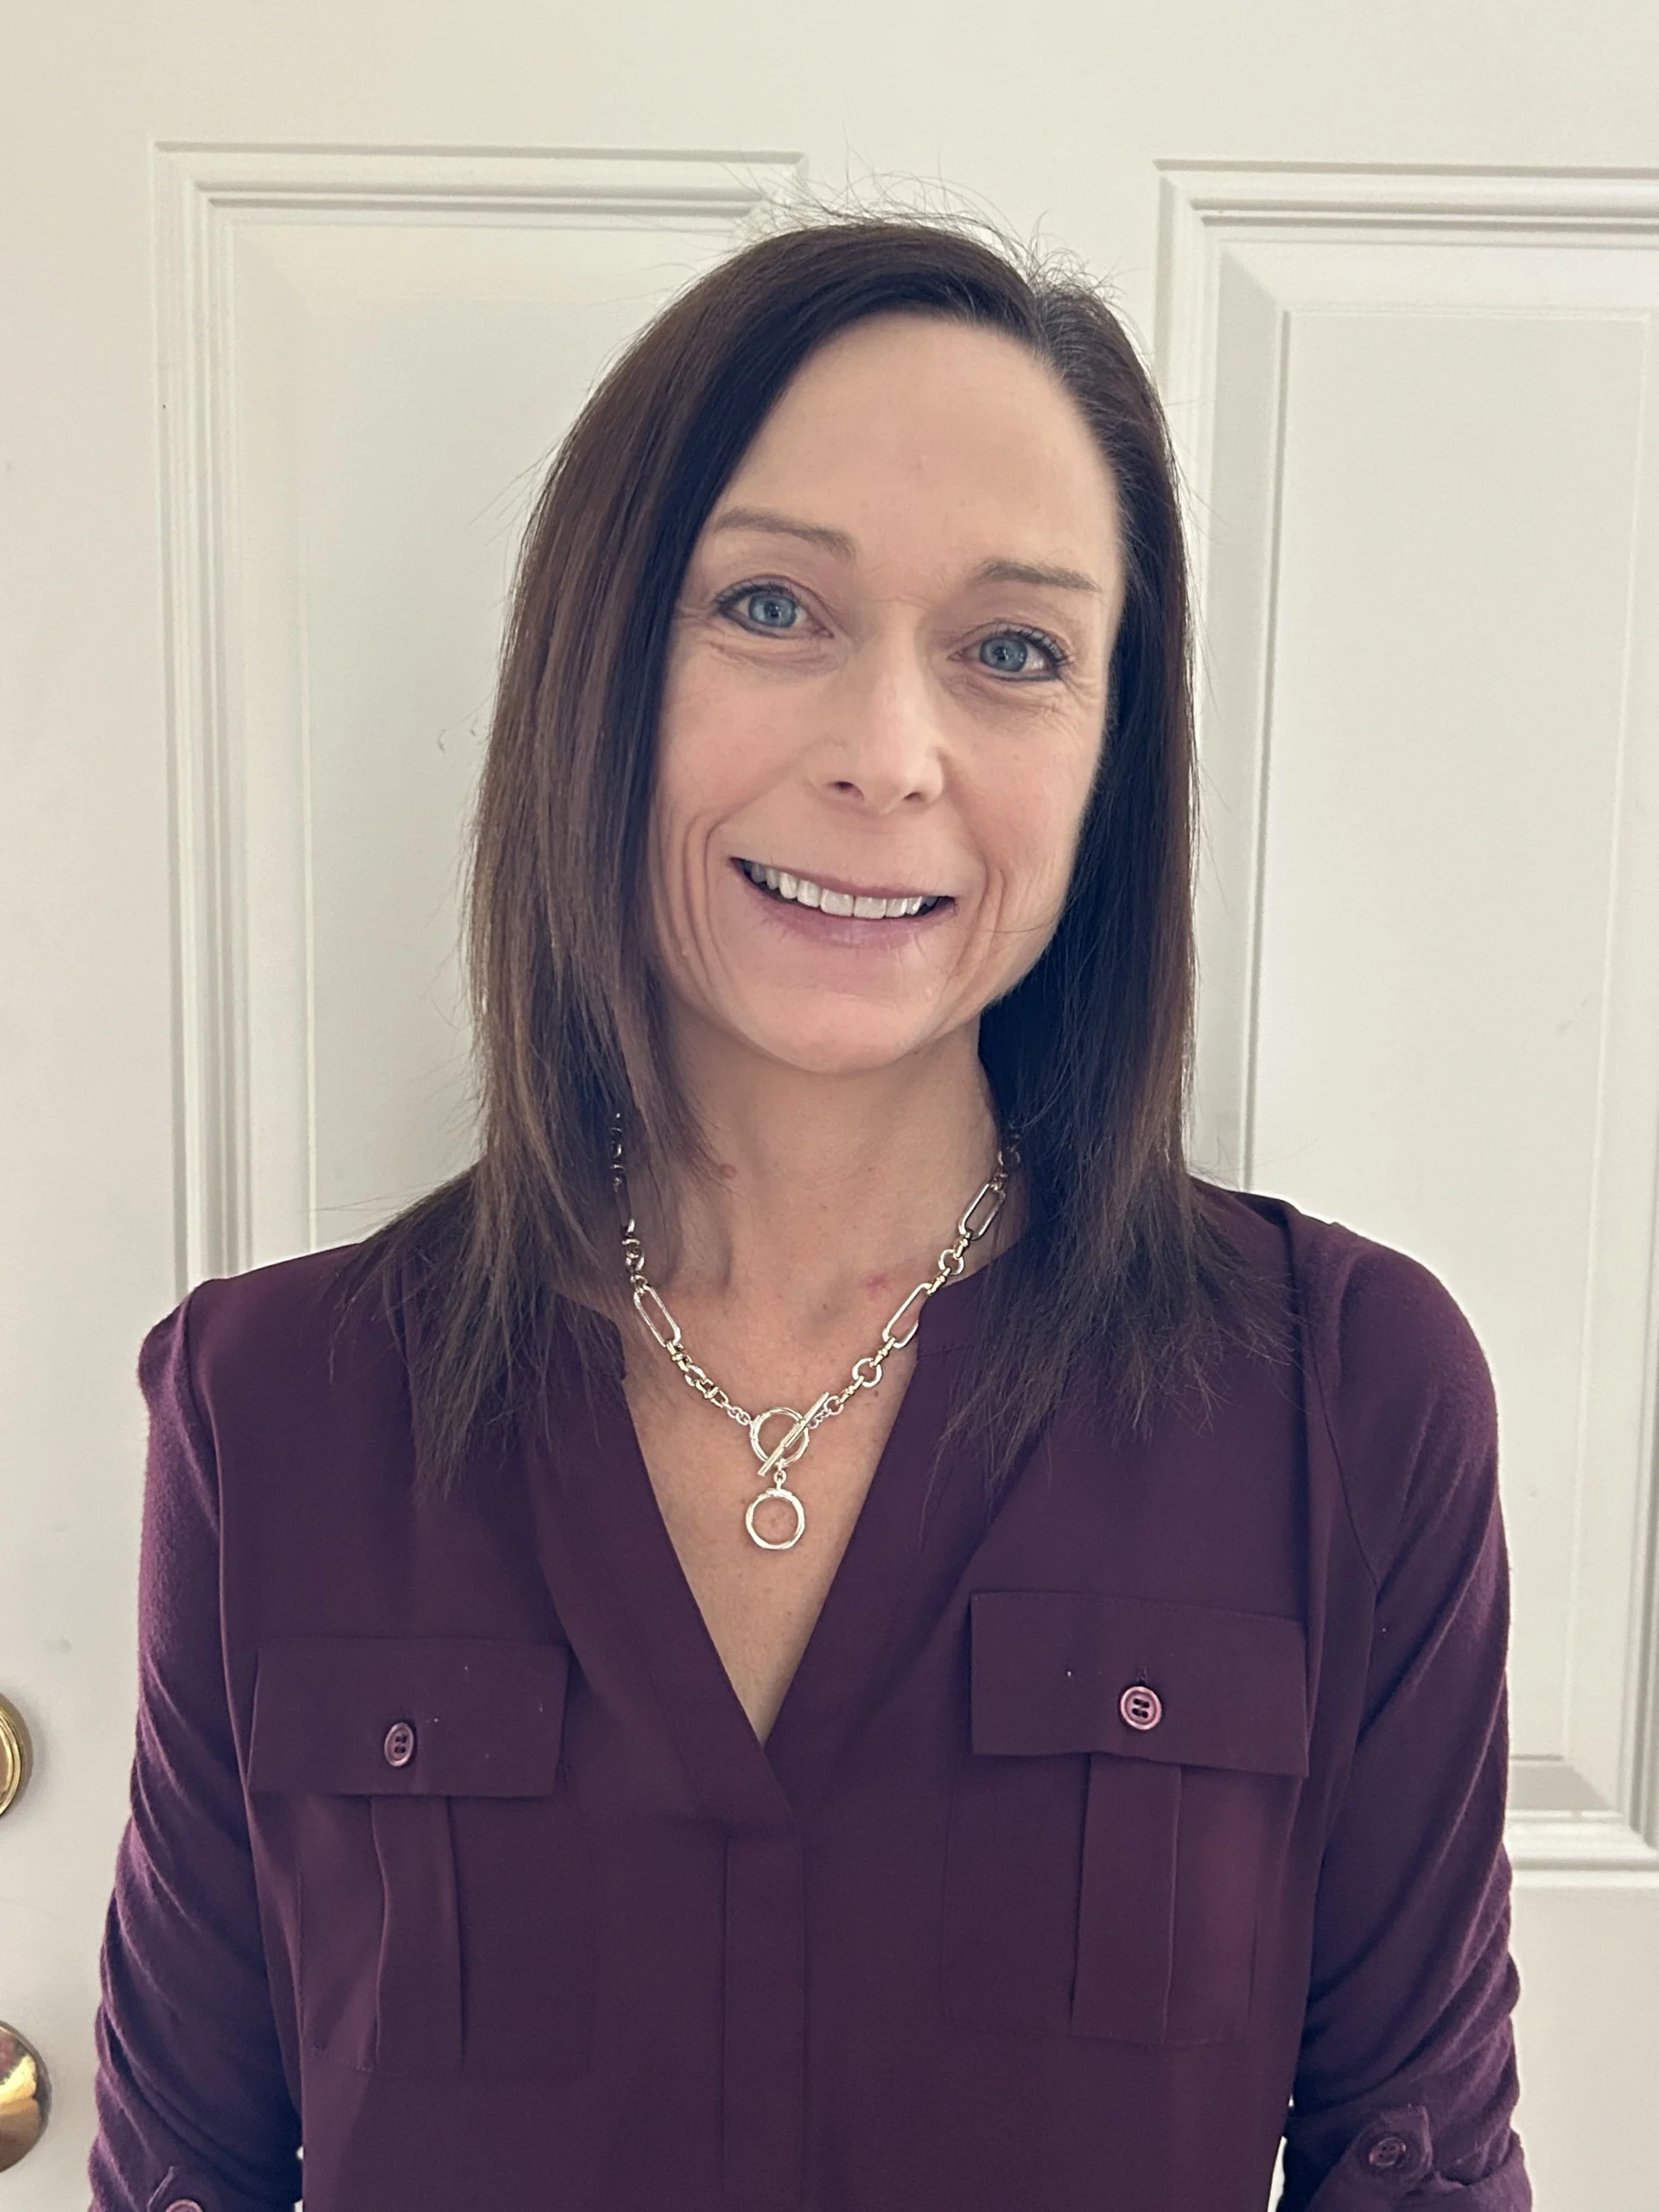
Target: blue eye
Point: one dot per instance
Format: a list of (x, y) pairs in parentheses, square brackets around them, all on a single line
[(768, 607), (1009, 652)]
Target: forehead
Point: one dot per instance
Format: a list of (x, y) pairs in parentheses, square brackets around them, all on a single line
[(906, 421)]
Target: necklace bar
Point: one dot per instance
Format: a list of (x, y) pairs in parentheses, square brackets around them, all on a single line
[(922, 1292)]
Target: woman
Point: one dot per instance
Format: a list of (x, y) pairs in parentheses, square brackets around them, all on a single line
[(1025, 1727)]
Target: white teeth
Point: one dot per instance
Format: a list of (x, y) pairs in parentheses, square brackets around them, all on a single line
[(804, 892)]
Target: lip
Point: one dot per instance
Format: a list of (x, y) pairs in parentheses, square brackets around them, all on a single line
[(812, 925), (839, 883)]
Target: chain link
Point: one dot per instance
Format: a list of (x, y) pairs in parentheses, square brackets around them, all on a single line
[(976, 1218)]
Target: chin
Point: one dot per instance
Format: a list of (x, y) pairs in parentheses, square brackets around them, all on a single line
[(837, 1048)]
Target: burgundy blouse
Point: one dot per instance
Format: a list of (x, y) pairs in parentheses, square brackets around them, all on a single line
[(1105, 1836)]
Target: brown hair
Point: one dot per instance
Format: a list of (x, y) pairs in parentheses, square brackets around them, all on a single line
[(1120, 1273)]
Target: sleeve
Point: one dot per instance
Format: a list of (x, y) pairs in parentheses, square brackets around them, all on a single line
[(194, 2109), (1406, 2080)]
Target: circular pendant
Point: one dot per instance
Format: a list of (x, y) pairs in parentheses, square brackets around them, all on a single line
[(783, 1497)]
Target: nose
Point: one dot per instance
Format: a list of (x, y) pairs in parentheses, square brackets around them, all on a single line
[(885, 743)]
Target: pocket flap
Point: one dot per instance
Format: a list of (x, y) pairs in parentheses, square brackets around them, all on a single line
[(407, 1716), (1051, 1668)]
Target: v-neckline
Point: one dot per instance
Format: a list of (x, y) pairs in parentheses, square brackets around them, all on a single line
[(738, 1778)]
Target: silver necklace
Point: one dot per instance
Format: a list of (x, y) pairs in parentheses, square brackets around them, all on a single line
[(777, 1458)]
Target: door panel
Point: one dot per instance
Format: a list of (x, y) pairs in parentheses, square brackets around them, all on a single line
[(1430, 546)]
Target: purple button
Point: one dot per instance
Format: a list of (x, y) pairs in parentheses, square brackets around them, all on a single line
[(399, 1746), (1141, 1707), (1388, 2152), (184, 2205)]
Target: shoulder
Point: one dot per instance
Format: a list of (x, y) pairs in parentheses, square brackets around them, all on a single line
[(286, 1299), (1393, 1371), (272, 1330), (1373, 1314)]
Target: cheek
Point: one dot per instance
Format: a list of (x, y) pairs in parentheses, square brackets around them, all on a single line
[(711, 749), (1033, 829), (694, 775)]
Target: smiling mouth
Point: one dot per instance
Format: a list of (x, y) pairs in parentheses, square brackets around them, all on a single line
[(862, 907)]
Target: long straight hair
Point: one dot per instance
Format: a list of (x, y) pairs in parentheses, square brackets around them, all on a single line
[(1123, 1273)]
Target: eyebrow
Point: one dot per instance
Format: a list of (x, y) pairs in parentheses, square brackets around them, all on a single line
[(842, 547)]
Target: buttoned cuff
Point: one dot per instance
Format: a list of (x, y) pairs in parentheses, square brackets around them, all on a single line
[(1389, 2167)]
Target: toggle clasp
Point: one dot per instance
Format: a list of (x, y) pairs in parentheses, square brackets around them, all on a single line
[(776, 1460)]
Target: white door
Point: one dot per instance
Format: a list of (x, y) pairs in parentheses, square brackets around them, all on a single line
[(297, 300)]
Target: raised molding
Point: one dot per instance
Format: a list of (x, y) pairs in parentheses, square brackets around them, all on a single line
[(1242, 249), (209, 200), (1211, 214)]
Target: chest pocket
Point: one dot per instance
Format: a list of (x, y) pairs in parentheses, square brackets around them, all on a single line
[(1133, 1772), (444, 1897)]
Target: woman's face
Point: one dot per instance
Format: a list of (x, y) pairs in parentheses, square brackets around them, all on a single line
[(886, 685)]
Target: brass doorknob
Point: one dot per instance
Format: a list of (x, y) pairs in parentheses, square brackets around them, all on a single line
[(14, 1754), (25, 2096)]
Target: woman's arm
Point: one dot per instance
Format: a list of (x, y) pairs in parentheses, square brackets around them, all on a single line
[(194, 2107), (1406, 2080)]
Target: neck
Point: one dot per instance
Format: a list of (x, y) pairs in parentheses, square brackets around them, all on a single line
[(829, 1195)]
